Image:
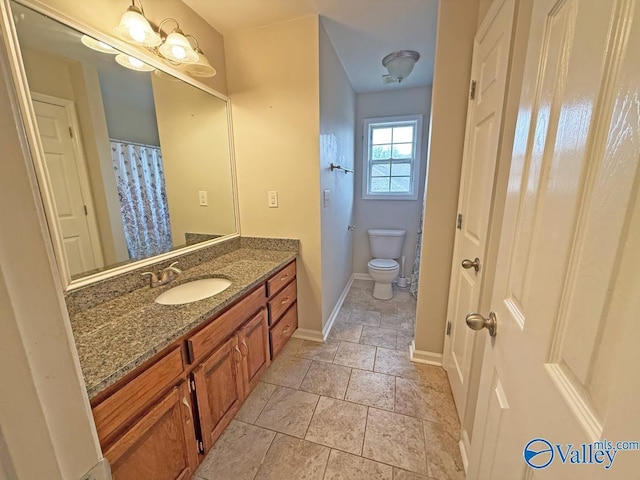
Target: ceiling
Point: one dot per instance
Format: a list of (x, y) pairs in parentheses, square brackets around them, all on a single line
[(362, 31)]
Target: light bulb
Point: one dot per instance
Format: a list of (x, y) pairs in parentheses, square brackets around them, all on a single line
[(178, 52), (135, 62), (137, 32)]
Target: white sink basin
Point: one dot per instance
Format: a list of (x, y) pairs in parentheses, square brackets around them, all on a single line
[(193, 291)]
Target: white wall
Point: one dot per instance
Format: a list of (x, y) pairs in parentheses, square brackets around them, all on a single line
[(337, 117), (400, 214), (273, 77), (457, 24)]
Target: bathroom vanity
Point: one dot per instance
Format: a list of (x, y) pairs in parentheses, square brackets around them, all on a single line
[(161, 418)]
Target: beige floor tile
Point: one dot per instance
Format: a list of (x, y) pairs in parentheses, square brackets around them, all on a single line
[(395, 440), (343, 316), (362, 284), (395, 362), (291, 347), (292, 459), (348, 332), (343, 466), (338, 424), (237, 454), (434, 377), (372, 389), (287, 371), (355, 355), (443, 455), (323, 352), (385, 307), (254, 404), (397, 322), (366, 317), (404, 475), (404, 340), (288, 411), (378, 337), (326, 379), (418, 400)]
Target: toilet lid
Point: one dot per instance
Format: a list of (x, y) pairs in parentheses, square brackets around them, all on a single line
[(383, 263)]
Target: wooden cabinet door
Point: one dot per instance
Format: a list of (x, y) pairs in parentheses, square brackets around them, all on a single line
[(161, 445), (254, 343), (219, 390)]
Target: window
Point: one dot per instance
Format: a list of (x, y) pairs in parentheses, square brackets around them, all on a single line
[(391, 158)]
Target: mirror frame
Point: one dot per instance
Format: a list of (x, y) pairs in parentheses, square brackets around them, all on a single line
[(30, 133)]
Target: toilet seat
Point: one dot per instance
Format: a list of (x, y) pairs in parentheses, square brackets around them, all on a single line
[(383, 264)]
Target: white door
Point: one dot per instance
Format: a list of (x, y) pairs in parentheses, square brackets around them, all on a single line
[(489, 72), (66, 177), (562, 370)]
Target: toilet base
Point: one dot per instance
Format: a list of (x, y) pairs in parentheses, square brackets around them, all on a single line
[(382, 291)]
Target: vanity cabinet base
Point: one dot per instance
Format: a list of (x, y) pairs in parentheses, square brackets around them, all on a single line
[(160, 421)]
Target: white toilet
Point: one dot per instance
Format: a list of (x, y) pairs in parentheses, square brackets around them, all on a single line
[(386, 246)]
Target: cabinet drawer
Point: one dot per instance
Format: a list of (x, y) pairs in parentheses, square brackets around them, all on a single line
[(282, 301), (281, 278), (225, 325), (283, 330), (132, 398)]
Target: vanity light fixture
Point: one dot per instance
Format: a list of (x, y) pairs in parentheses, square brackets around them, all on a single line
[(135, 28), (133, 63), (399, 64), (97, 45), (176, 47), (202, 67)]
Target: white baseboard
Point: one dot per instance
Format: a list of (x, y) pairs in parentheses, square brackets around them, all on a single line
[(311, 335), (334, 314), (362, 276), (465, 446), (421, 356)]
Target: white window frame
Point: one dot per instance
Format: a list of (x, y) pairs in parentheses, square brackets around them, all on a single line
[(415, 161)]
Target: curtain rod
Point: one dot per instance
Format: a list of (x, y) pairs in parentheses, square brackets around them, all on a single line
[(134, 143)]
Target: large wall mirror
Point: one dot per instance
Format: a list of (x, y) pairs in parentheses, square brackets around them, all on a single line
[(136, 163)]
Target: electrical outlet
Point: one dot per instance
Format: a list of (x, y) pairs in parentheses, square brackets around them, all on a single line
[(202, 197), (273, 199)]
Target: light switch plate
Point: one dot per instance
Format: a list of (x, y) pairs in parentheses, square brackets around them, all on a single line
[(202, 197), (273, 199)]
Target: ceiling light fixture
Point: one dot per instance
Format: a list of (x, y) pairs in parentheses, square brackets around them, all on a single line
[(135, 28), (97, 45), (133, 63), (399, 64)]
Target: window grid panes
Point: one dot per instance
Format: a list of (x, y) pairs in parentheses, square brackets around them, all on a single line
[(391, 156)]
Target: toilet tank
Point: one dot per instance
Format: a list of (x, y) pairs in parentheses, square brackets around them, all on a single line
[(386, 243)]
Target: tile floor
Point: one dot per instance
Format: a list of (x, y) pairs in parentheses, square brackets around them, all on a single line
[(353, 408)]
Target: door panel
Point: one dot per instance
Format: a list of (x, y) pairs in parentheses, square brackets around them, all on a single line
[(218, 390), (254, 338), (66, 183), (565, 274), (489, 69)]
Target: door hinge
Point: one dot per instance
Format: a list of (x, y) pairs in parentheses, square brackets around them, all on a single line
[(86, 212), (200, 447), (459, 222), (70, 133), (472, 94), (448, 328)]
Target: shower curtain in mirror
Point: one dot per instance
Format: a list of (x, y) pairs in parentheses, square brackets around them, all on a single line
[(413, 288), (143, 198)]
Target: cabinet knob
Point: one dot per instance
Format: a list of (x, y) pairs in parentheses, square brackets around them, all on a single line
[(239, 354), (285, 300)]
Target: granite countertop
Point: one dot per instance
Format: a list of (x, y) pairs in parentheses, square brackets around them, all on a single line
[(117, 336)]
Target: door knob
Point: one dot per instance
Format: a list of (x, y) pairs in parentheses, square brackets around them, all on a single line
[(475, 321), (466, 263)]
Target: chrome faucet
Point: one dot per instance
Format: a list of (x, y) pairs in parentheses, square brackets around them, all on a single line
[(166, 275)]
